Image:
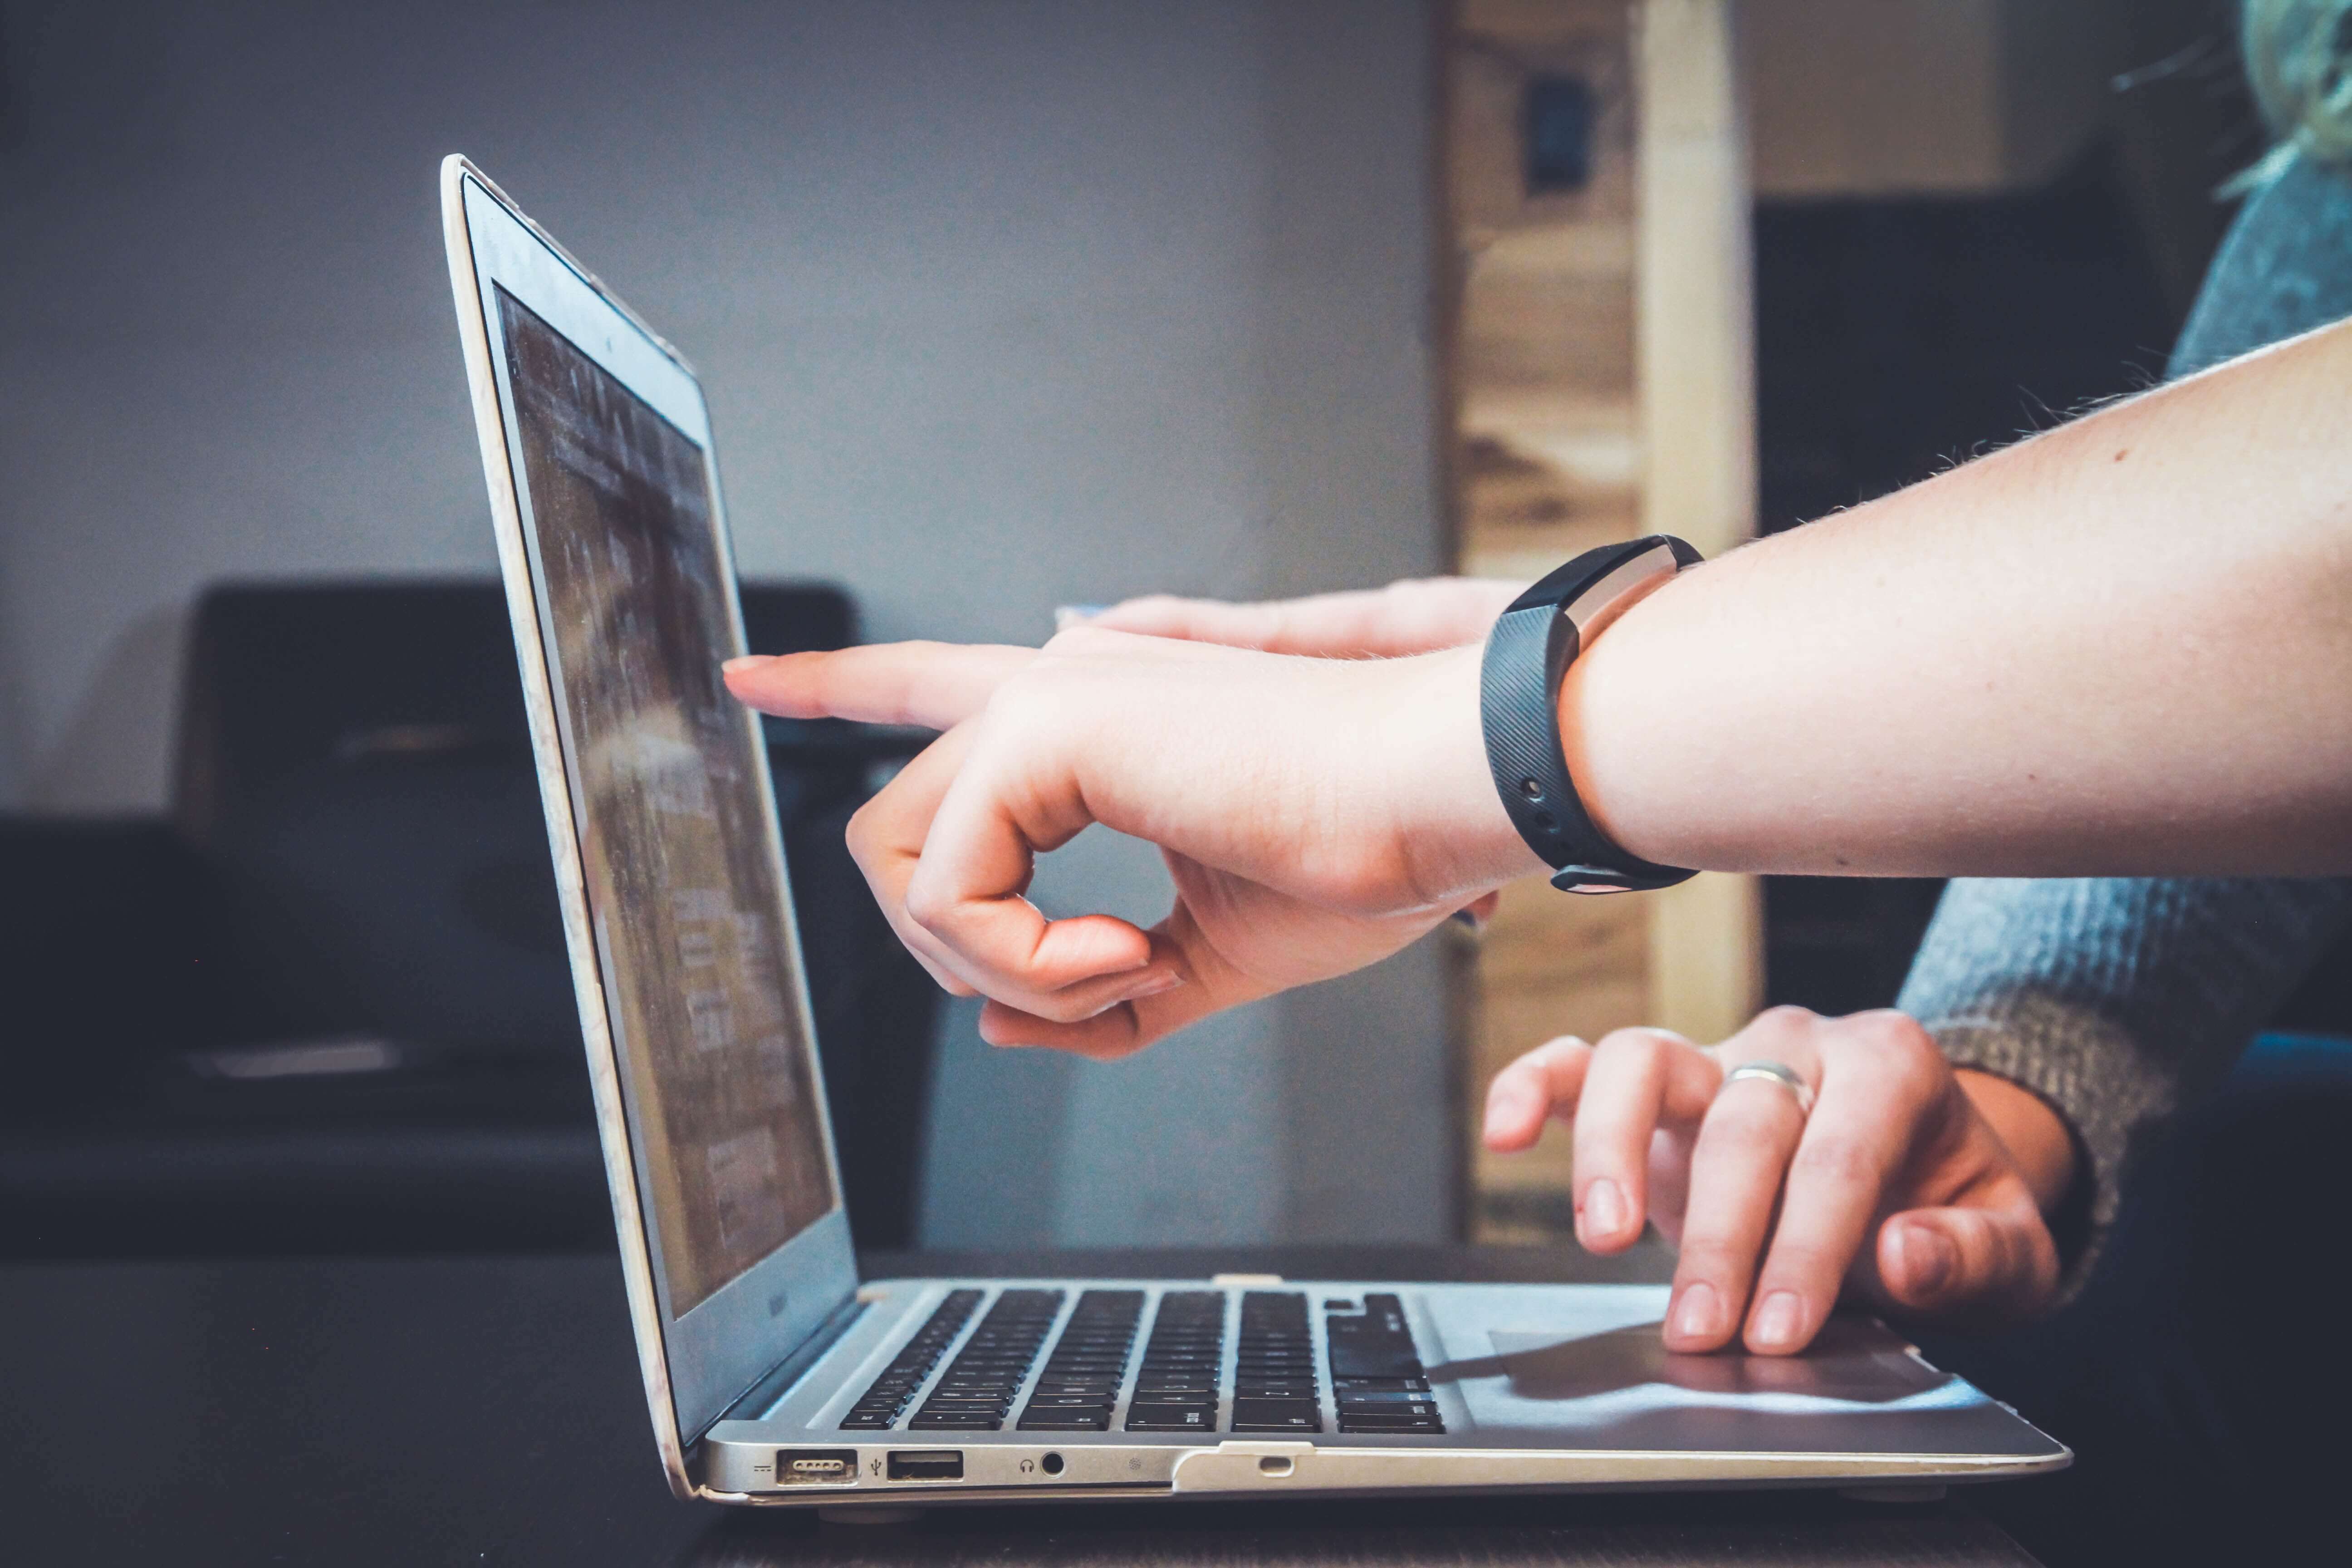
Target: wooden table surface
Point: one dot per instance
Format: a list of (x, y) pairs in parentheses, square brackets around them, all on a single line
[(485, 1410)]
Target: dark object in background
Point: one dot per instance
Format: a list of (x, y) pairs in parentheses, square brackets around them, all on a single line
[(329, 1006), (1558, 112)]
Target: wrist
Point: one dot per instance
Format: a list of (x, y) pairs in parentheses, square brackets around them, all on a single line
[(1449, 824), (2035, 1136)]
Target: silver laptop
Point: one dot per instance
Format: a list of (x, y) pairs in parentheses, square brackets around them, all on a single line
[(772, 1373)]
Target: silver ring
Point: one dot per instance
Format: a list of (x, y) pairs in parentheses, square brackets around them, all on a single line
[(1774, 1072)]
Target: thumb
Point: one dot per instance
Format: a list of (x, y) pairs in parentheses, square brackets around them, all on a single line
[(1967, 1262)]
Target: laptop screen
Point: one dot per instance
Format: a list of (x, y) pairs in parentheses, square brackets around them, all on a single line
[(701, 975)]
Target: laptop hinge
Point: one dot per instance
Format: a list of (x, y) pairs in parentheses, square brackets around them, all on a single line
[(762, 1396)]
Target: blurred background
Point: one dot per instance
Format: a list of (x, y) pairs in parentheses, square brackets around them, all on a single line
[(999, 306)]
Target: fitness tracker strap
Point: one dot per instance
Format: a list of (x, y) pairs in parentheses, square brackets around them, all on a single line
[(1528, 652)]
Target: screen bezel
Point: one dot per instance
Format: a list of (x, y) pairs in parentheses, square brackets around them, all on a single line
[(698, 1363)]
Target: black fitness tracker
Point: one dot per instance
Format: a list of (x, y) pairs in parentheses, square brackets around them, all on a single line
[(1528, 652)]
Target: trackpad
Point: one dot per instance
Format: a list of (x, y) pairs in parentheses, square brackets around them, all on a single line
[(1848, 1361), (1621, 1388)]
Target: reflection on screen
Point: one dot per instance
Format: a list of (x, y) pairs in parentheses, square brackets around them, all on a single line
[(672, 820)]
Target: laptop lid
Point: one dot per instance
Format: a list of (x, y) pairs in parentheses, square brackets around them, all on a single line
[(620, 578)]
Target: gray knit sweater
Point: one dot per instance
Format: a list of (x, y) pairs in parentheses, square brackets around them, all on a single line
[(2113, 998)]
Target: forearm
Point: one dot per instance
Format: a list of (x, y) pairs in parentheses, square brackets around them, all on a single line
[(2121, 646)]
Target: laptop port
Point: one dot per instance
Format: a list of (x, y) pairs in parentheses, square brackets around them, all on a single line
[(816, 1467), (926, 1464)]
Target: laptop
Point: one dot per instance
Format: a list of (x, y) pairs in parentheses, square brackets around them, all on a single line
[(772, 1373)]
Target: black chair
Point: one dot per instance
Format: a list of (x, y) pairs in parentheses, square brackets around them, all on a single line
[(327, 1005)]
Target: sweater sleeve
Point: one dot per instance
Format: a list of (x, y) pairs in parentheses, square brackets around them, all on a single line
[(2113, 998)]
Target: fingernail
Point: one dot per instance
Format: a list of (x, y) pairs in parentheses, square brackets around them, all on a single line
[(748, 661), (1696, 1311), (1159, 984), (1604, 1210), (1779, 1319), (1927, 1259), (1069, 616)]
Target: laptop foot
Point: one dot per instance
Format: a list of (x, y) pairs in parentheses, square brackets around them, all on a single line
[(1930, 1492), (846, 1515)]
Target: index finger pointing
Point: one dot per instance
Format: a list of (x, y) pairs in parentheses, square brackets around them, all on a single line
[(934, 685)]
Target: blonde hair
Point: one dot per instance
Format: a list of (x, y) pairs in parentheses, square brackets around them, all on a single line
[(2299, 59)]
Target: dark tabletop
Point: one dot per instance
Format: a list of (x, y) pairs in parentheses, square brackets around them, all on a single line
[(487, 1410)]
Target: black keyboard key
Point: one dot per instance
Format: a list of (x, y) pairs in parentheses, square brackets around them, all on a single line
[(1097, 1419), (1386, 1412), (1390, 1424), (1375, 1344), (1277, 1416), (1152, 1418), (926, 1420)]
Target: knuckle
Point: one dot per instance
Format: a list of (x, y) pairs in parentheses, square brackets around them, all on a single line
[(926, 907), (1086, 638), (1899, 1039), (1638, 1044)]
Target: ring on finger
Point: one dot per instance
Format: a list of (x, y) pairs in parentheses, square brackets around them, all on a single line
[(1787, 1077)]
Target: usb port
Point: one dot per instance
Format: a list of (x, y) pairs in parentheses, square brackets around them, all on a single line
[(926, 1464), (816, 1467)]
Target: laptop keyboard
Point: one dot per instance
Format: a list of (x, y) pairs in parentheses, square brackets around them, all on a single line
[(1080, 1383), (978, 1384), (1378, 1383), (1273, 1374), (1183, 1365), (1377, 1380), (911, 1367)]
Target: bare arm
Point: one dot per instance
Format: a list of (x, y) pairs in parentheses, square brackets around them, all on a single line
[(2123, 647)]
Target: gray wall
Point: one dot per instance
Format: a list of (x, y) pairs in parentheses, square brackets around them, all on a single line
[(999, 306)]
